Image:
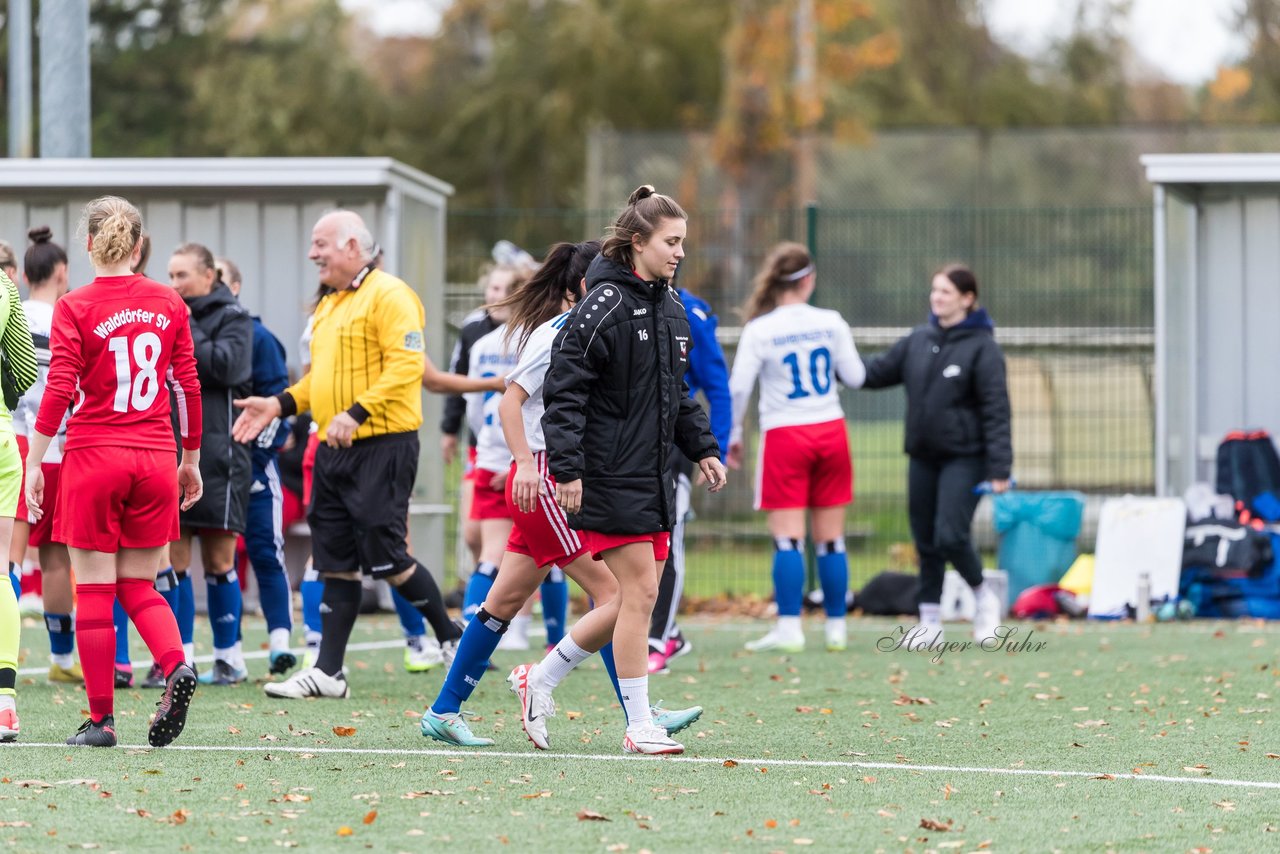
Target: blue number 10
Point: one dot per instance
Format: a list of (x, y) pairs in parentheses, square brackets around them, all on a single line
[(820, 377)]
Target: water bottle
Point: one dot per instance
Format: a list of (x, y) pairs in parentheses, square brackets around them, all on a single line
[(1142, 611)]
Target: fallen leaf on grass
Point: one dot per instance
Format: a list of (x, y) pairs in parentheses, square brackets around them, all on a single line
[(15, 824), (1226, 806), (532, 795), (804, 710), (370, 817), (294, 797), (729, 763), (573, 716), (930, 824), (179, 817), (33, 784), (802, 841), (590, 815), (344, 731), (233, 730), (770, 823), (409, 796), (345, 831), (1273, 755), (886, 814), (1104, 777), (904, 700)]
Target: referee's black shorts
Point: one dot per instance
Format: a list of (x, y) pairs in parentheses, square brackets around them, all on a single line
[(360, 505)]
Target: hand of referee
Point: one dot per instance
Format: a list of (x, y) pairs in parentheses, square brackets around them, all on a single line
[(569, 496), (256, 413), (340, 431), (713, 470)]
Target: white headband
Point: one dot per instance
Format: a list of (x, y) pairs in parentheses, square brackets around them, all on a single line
[(798, 274)]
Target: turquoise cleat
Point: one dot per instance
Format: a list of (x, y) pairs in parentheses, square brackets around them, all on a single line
[(674, 720), (451, 729)]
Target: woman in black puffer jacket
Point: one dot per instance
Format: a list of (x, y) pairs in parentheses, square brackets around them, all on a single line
[(616, 400), (957, 435)]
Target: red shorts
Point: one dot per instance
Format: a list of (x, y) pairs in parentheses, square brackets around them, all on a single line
[(469, 465), (309, 466), (598, 543), (804, 466), (543, 534), (486, 501), (42, 531), (114, 498)]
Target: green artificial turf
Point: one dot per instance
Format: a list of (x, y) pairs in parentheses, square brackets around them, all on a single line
[(1190, 701)]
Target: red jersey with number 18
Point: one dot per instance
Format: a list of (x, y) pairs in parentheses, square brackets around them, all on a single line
[(114, 345)]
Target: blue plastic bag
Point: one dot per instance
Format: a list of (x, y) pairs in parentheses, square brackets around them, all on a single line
[(1037, 535)]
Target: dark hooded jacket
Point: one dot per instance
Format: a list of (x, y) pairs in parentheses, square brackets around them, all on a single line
[(222, 331), (957, 396), (616, 399)]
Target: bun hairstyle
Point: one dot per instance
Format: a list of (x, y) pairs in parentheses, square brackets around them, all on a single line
[(115, 226), (539, 299), (645, 209), (204, 258), (963, 278), (43, 255), (784, 269)]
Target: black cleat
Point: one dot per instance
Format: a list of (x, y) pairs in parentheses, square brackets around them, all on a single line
[(282, 662), (171, 710), (124, 678), (100, 734), (155, 677)]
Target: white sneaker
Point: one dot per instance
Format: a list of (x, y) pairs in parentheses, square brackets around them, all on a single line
[(448, 650), (650, 739), (30, 605), (309, 683), (536, 705), (837, 634), (513, 641), (922, 636), (422, 656), (779, 640), (986, 615)]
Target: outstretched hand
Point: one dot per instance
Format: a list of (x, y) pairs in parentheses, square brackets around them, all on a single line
[(255, 414)]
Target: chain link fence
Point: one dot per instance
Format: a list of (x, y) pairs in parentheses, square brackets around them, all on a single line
[(1069, 288)]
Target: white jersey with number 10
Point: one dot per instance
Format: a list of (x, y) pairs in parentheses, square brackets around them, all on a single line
[(798, 352)]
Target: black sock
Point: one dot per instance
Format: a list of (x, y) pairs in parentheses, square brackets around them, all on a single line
[(339, 607), (422, 592)]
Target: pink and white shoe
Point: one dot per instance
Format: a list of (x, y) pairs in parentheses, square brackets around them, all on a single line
[(536, 705), (650, 739), (657, 662), (8, 724)]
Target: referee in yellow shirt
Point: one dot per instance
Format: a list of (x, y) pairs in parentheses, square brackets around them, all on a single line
[(364, 391)]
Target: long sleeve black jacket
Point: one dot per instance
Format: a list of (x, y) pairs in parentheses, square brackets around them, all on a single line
[(616, 399), (957, 394)]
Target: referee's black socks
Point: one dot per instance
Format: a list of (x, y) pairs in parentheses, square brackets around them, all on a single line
[(339, 607), (424, 594)]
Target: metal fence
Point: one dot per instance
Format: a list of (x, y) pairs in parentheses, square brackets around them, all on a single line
[(1070, 290)]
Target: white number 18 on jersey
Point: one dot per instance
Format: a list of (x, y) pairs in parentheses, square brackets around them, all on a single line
[(138, 389)]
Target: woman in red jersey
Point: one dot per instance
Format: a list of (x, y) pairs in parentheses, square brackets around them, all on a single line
[(115, 343)]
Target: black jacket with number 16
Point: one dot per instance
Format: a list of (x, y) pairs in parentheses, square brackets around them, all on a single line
[(616, 399)]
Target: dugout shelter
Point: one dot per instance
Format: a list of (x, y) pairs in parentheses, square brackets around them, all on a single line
[(259, 212)]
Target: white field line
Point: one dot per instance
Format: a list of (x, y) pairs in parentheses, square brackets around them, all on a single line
[(252, 654), (697, 760)]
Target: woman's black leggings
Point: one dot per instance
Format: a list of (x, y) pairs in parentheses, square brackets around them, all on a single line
[(940, 502)]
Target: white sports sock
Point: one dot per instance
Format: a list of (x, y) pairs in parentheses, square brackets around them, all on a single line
[(189, 653), (931, 613), (313, 639), (278, 640), (8, 701), (520, 626), (635, 701), (564, 657), (65, 660), (790, 626)]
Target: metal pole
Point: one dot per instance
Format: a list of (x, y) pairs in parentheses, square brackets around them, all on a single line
[(20, 78), (64, 78)]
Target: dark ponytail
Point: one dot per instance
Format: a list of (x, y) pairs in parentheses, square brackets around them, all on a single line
[(646, 209), (43, 256), (963, 278), (539, 299)]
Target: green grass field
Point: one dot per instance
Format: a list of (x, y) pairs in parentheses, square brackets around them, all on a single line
[(1109, 737)]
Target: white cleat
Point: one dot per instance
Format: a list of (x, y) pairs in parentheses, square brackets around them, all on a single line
[(779, 640), (650, 740), (448, 651), (922, 636), (309, 683), (837, 634), (986, 615), (423, 656), (536, 705)]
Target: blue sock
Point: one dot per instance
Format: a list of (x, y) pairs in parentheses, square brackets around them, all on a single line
[(410, 617), (62, 639), (788, 577), (121, 619), (186, 613), (312, 590), (273, 593), (555, 605), (479, 640), (167, 586), (15, 579), (833, 574), (478, 587), (224, 608), (606, 655)]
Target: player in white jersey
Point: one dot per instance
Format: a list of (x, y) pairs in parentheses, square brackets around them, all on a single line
[(541, 537), (45, 270), (798, 353)]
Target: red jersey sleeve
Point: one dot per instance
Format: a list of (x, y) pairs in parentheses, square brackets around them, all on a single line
[(185, 384), (65, 366)]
